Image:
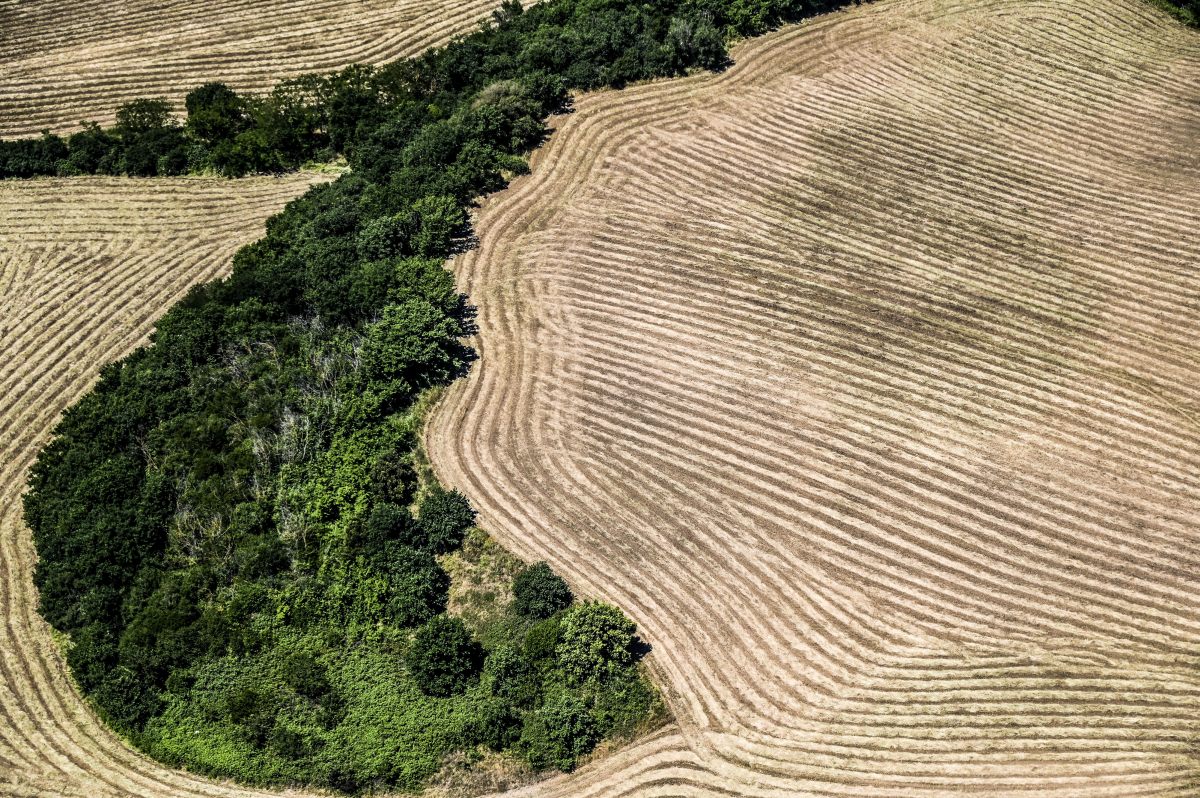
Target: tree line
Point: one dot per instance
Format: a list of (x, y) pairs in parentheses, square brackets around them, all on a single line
[(234, 528), (316, 117)]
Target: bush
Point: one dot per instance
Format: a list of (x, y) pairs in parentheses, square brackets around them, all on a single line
[(31, 157), (540, 645), (417, 588), (538, 592), (445, 516), (443, 657), (556, 735), (496, 725), (388, 522), (507, 674)]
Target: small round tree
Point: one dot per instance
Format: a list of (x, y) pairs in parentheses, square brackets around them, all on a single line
[(538, 592), (444, 516), (596, 642), (444, 658), (417, 586)]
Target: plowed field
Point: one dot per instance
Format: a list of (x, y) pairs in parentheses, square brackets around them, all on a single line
[(86, 266), (60, 64), (865, 376)]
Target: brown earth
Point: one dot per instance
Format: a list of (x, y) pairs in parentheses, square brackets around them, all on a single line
[(62, 63), (864, 377)]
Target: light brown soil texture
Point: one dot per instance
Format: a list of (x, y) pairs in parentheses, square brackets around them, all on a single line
[(86, 266), (65, 62), (865, 377)]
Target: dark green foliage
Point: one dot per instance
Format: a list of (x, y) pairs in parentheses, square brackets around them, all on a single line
[(150, 141), (496, 725), (443, 657), (445, 516), (509, 675), (415, 587), (387, 522), (1186, 11), (556, 735), (140, 117), (538, 592), (92, 151), (540, 645), (413, 344), (30, 157), (216, 114)]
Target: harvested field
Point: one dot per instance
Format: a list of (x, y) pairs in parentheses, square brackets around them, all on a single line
[(864, 377), (60, 65), (86, 266)]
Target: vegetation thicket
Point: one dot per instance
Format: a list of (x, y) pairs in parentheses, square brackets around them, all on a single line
[(231, 526), (1187, 11)]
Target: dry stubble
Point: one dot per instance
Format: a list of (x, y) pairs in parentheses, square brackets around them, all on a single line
[(864, 377), (62, 63), (86, 266)]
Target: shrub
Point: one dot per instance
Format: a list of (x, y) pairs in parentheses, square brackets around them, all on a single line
[(417, 588), (445, 517), (538, 592), (385, 522), (443, 657), (556, 735), (507, 674), (496, 724), (541, 642)]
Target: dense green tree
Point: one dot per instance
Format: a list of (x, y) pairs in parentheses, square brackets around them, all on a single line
[(443, 657), (596, 642), (445, 516), (139, 117), (89, 149), (417, 586), (436, 222), (415, 342), (215, 113), (30, 157), (538, 592)]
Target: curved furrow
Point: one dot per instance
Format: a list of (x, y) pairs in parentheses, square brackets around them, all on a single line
[(99, 260), (164, 51), (861, 376)]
